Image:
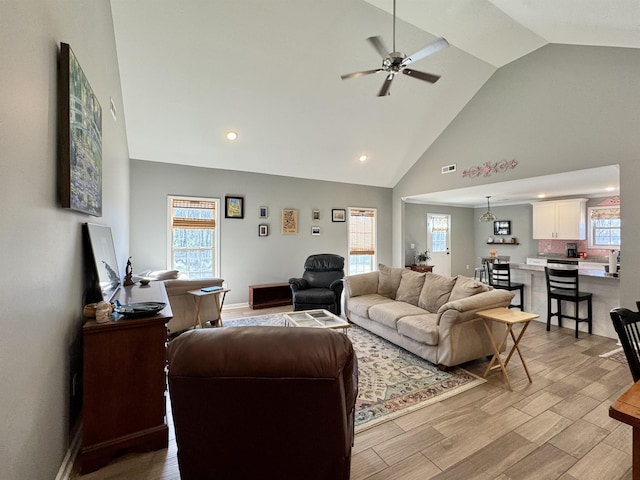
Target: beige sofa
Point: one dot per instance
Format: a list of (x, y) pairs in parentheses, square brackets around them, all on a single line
[(428, 314), (183, 304)]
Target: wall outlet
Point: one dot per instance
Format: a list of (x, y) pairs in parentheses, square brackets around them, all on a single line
[(413, 246), (467, 267)]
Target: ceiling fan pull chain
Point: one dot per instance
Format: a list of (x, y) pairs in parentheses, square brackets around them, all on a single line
[(394, 25)]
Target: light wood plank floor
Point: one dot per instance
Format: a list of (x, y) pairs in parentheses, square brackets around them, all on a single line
[(554, 428)]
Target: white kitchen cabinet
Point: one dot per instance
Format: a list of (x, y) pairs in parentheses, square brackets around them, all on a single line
[(560, 220)]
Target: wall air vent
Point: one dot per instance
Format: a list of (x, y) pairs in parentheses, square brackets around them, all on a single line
[(449, 168)]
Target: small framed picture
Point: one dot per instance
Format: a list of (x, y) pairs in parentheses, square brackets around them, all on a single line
[(263, 230), (338, 215), (315, 215), (233, 207), (289, 221), (502, 227), (263, 212), (315, 230)]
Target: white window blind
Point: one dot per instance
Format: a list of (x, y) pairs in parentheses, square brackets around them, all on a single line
[(362, 226)]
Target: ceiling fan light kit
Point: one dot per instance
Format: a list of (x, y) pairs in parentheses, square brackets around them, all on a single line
[(396, 62)]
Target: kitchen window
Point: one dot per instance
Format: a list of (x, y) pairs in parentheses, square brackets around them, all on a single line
[(194, 236), (604, 227)]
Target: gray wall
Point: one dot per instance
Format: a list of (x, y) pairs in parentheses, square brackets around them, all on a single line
[(558, 109), (41, 284), (468, 235), (246, 258)]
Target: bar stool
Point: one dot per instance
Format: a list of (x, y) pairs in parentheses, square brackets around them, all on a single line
[(499, 275), (562, 285), (478, 274)]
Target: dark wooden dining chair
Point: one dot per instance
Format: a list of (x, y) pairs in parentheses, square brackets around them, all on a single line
[(499, 276), (626, 324), (563, 286)]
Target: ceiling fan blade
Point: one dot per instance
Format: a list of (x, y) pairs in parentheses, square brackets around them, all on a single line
[(426, 51), (384, 91), (427, 77), (359, 74), (379, 46)]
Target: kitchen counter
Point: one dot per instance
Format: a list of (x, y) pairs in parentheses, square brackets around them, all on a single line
[(582, 271), (604, 287)]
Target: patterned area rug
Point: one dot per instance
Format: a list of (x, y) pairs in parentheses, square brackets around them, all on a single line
[(391, 381), (616, 355)]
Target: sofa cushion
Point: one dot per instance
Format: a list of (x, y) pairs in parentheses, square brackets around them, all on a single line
[(435, 292), (360, 305), (389, 280), (421, 328), (389, 313), (465, 287), (410, 287)]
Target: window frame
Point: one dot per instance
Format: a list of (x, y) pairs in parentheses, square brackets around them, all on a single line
[(216, 230), (374, 255), (591, 227)]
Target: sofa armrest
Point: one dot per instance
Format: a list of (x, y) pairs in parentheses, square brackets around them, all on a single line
[(298, 284), (465, 309), (361, 284)]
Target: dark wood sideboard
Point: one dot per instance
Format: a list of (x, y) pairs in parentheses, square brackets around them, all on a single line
[(124, 381), (269, 295), (421, 268)]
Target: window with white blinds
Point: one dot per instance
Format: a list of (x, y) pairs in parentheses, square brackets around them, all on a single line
[(604, 227), (362, 240), (193, 236)]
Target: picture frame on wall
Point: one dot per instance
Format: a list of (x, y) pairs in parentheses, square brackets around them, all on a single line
[(315, 215), (233, 207), (80, 138), (263, 212), (263, 230), (289, 221), (338, 215), (502, 227), (315, 230)]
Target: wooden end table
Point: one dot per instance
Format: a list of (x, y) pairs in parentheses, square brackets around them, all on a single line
[(197, 297), (510, 318)]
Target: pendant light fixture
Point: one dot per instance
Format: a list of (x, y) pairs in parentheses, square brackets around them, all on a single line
[(488, 216)]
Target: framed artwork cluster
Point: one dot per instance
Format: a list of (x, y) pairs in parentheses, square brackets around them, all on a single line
[(289, 217)]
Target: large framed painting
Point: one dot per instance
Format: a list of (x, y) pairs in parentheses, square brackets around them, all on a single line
[(80, 138)]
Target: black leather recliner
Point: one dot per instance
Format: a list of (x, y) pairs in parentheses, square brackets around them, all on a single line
[(320, 285)]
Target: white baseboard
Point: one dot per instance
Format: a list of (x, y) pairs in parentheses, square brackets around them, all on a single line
[(235, 306), (67, 463)]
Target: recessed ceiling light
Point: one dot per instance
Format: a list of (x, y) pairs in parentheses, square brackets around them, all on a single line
[(231, 135), (363, 157)]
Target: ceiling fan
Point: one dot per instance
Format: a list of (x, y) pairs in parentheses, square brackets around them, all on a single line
[(395, 62)]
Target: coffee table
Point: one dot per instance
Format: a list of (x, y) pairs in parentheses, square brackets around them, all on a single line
[(315, 319)]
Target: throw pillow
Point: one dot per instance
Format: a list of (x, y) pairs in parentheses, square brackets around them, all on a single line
[(466, 287), (410, 287), (435, 292), (388, 280)]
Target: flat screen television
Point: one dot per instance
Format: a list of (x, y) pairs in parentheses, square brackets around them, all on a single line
[(104, 257)]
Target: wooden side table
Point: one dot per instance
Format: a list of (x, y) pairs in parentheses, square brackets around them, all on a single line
[(509, 318), (197, 297)]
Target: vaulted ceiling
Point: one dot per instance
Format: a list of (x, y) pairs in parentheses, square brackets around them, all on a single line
[(193, 69)]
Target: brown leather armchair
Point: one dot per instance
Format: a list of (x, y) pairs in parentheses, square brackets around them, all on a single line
[(263, 403)]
